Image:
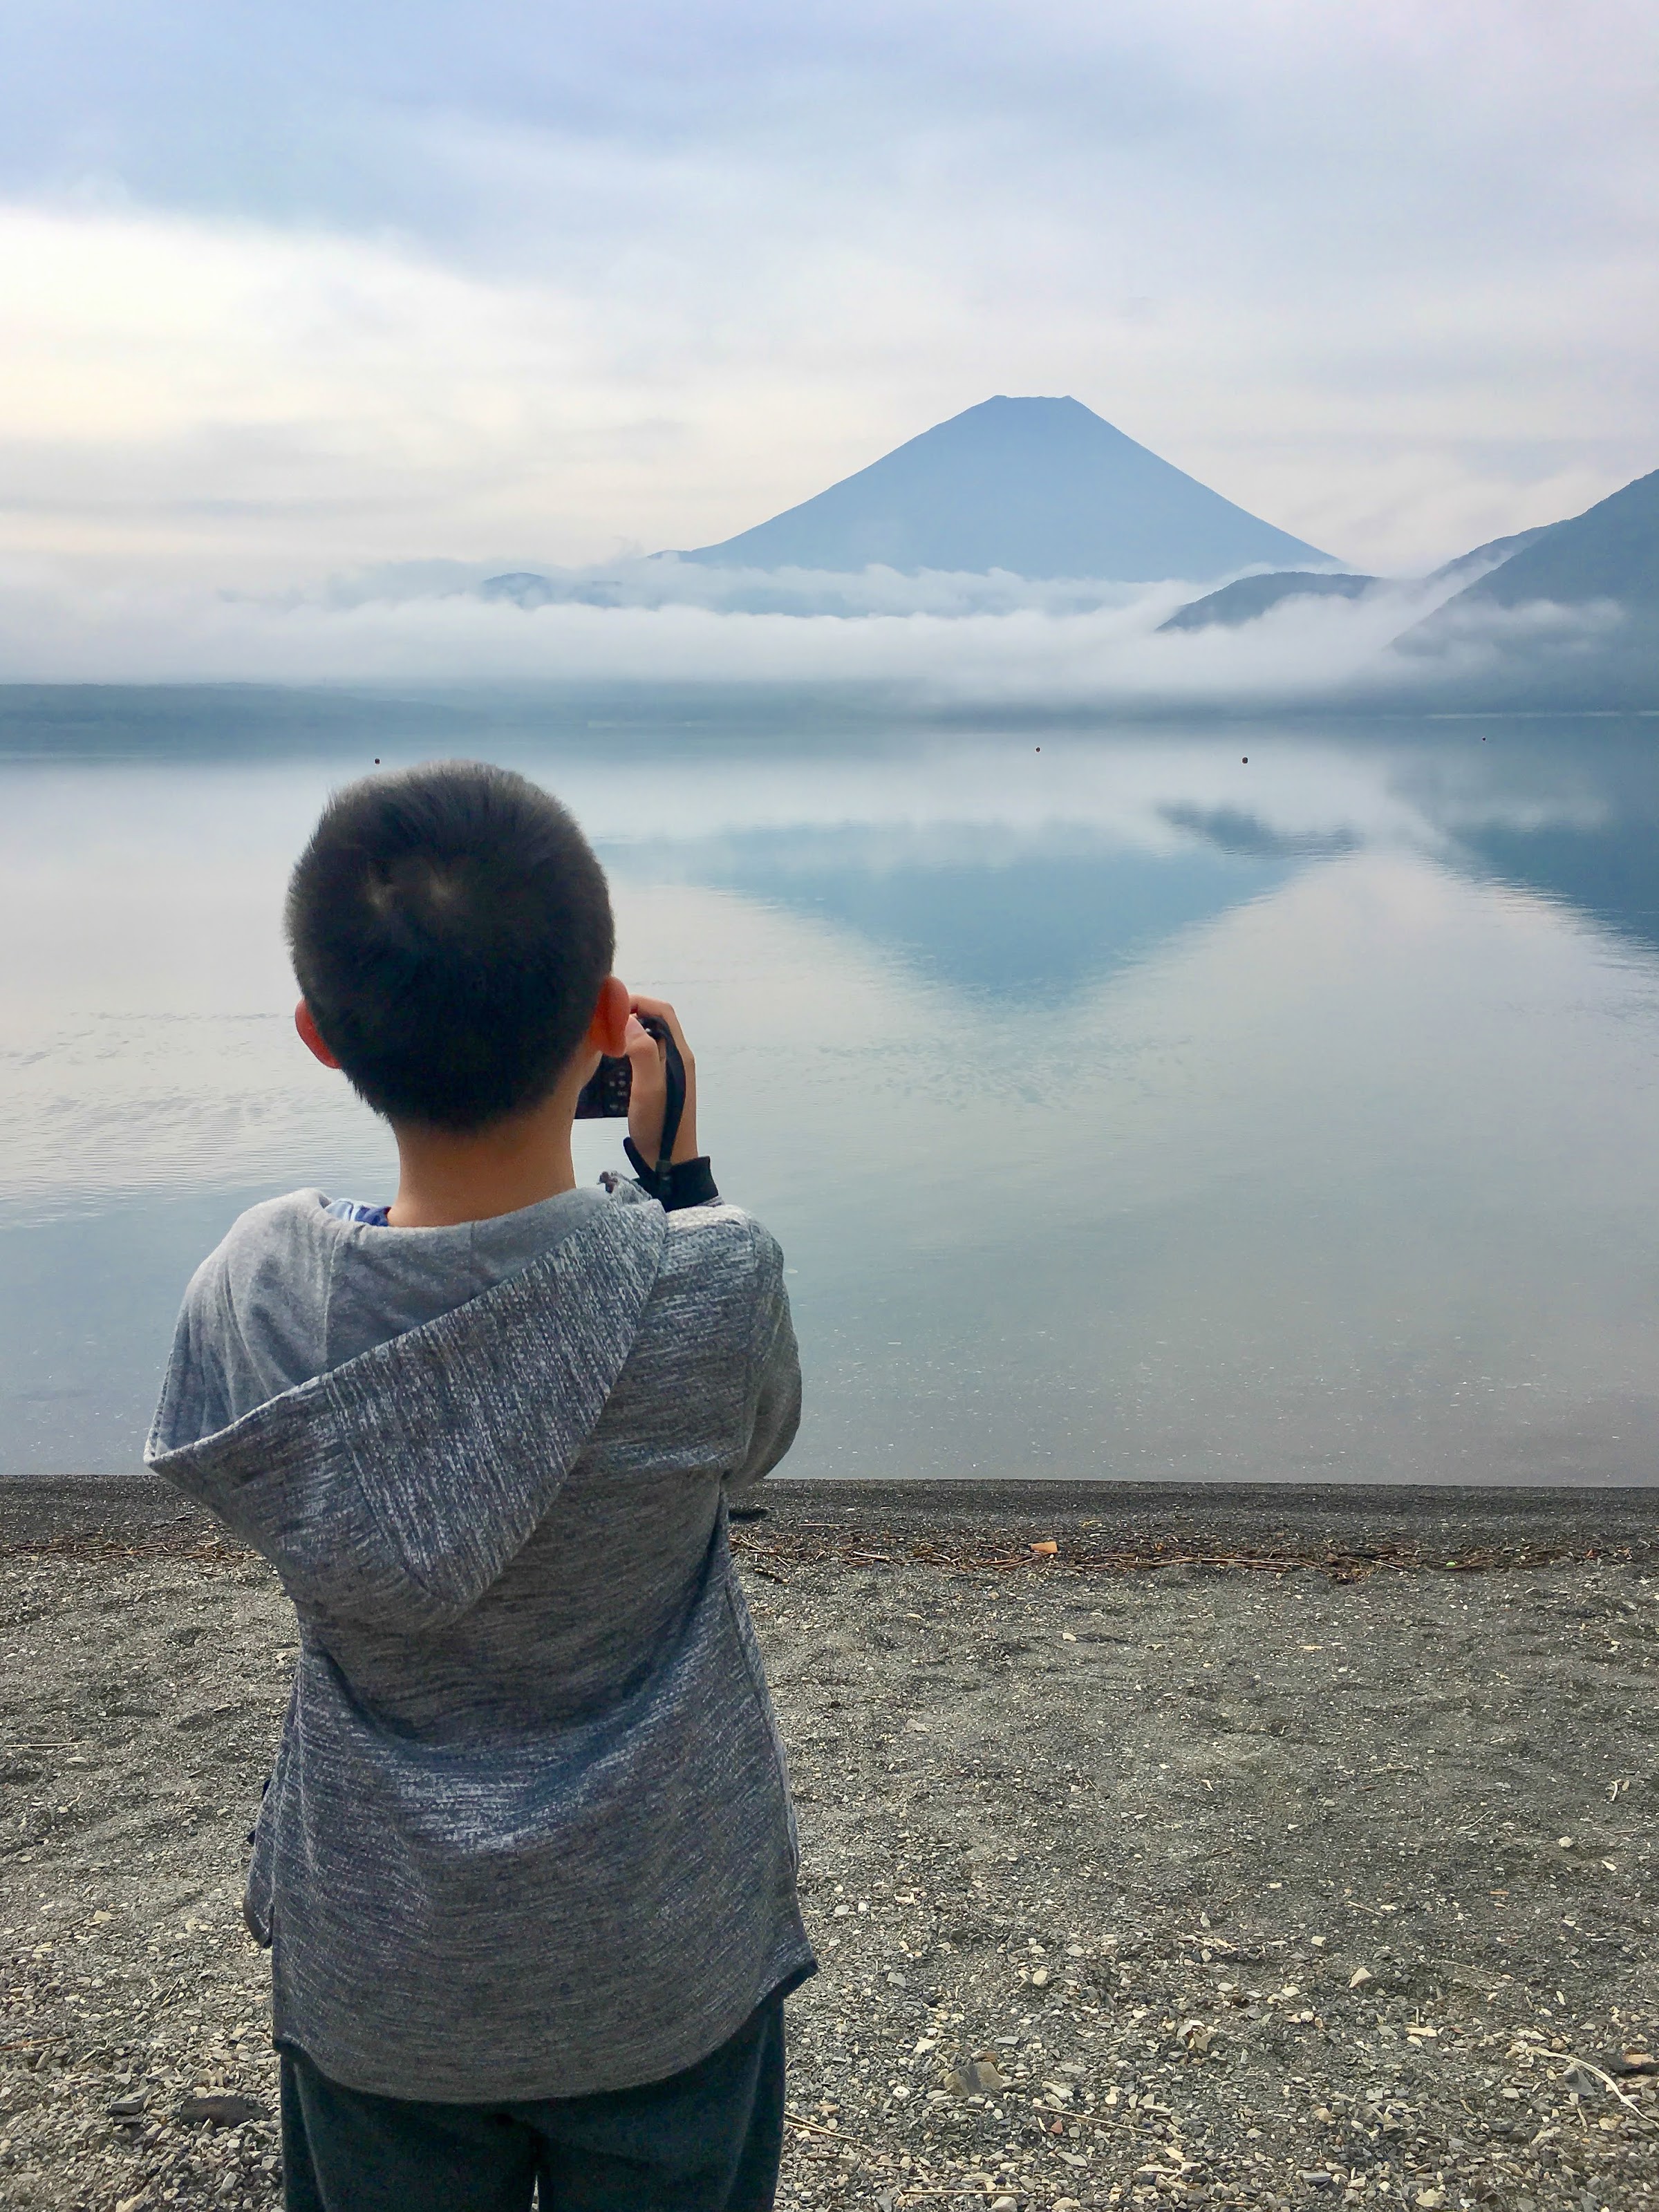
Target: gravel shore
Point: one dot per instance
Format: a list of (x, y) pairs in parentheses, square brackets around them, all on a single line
[(1262, 1847)]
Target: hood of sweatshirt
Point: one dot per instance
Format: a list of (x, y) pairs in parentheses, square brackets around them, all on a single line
[(395, 1488)]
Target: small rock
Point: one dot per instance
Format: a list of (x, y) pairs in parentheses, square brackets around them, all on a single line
[(205, 1718), (1638, 2062), (1580, 2081), (127, 2108), (1319, 2179), (975, 2077), (1359, 1977), (218, 2111)]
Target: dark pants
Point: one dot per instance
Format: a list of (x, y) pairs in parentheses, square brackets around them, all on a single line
[(707, 2140)]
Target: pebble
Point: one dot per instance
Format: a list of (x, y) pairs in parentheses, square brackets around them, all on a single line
[(978, 2077), (219, 2111)]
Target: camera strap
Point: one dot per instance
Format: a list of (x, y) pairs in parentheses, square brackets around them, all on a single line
[(661, 1181), (674, 1104)]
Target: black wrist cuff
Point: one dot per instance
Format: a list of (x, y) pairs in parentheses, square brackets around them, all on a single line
[(688, 1182)]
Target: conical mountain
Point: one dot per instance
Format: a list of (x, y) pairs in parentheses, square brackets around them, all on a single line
[(1043, 488)]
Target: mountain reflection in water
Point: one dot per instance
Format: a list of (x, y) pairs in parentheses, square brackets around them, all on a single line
[(1035, 923)]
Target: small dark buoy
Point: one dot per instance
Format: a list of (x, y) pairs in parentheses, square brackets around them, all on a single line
[(1247, 760), (1039, 748), (377, 760)]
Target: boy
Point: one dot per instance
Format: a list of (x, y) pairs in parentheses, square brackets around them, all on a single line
[(527, 1860)]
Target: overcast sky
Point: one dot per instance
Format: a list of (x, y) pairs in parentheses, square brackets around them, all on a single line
[(288, 288)]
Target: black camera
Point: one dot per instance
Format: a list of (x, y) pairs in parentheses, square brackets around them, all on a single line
[(605, 1096)]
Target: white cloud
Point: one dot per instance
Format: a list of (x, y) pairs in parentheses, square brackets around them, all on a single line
[(223, 396), (361, 288), (928, 643)]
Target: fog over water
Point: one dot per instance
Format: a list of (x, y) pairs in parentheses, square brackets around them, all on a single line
[(933, 642), (1126, 1107)]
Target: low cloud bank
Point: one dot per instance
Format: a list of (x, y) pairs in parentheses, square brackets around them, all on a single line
[(663, 579), (930, 644)]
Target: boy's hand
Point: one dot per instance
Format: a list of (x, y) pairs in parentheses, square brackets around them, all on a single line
[(647, 1097)]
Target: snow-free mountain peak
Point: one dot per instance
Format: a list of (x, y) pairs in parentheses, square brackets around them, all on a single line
[(1041, 488)]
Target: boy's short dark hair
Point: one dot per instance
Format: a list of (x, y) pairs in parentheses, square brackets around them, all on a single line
[(450, 929)]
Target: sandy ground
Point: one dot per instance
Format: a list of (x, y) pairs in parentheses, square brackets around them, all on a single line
[(1313, 1869)]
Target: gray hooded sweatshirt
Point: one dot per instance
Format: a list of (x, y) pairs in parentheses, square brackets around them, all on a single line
[(528, 1834)]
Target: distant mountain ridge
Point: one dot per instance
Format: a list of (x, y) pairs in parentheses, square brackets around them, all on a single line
[(1248, 597), (1043, 488), (1492, 555), (1570, 620), (1610, 551)]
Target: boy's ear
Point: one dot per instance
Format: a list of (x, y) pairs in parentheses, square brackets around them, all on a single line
[(311, 1036), (608, 1030)]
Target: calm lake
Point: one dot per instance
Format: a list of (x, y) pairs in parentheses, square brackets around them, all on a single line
[(1127, 1107)]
